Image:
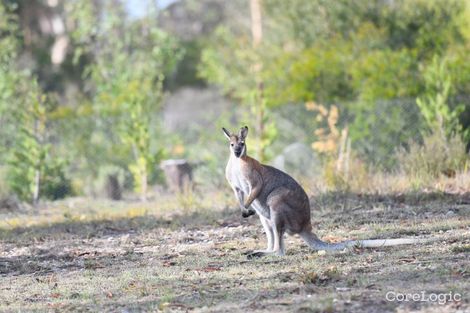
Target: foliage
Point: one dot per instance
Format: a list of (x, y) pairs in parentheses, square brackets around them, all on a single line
[(366, 59), (55, 183), (4, 189), (342, 168), (242, 71), (437, 156), (428, 26), (128, 71), (186, 72), (328, 135), (434, 104), (33, 170), (397, 71), (9, 29), (9, 75)]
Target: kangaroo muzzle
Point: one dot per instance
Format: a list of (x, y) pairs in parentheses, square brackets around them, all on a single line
[(238, 150)]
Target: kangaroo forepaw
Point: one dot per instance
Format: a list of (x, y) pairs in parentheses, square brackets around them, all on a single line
[(248, 213)]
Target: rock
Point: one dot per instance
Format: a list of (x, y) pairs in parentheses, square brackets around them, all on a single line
[(450, 213), (297, 158)]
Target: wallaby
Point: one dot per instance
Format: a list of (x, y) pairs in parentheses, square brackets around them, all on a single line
[(281, 203)]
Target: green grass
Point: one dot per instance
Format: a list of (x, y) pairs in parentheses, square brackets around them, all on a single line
[(106, 256)]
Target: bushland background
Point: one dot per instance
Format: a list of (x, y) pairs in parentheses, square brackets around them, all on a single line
[(366, 103)]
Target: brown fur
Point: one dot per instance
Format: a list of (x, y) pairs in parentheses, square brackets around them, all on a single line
[(251, 170)]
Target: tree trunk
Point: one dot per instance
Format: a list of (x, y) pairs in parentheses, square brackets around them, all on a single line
[(257, 34), (256, 25), (113, 187), (260, 122), (37, 172), (37, 180), (144, 185), (141, 173)]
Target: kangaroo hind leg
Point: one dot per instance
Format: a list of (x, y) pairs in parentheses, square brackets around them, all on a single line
[(269, 233), (277, 232)]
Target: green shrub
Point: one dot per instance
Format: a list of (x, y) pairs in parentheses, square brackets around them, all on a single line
[(436, 156), (55, 184), (434, 104)]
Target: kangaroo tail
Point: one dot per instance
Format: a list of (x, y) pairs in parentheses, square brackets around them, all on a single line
[(316, 244)]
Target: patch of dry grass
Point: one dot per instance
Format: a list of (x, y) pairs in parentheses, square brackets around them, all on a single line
[(382, 183)]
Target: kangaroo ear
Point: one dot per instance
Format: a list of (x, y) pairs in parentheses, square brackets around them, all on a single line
[(243, 132), (226, 132)]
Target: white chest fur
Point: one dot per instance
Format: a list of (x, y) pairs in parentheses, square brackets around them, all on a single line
[(235, 176), (237, 180)]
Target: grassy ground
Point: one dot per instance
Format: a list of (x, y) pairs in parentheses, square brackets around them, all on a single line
[(93, 256)]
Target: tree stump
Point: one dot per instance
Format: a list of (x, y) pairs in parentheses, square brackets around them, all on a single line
[(178, 174), (113, 187)]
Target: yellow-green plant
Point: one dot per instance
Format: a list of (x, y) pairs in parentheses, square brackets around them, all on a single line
[(434, 104), (342, 168), (327, 144)]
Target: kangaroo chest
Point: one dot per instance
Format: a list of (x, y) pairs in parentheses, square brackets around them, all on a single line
[(235, 177)]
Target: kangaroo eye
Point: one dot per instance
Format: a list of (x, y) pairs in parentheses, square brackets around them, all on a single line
[(242, 143), (231, 144)]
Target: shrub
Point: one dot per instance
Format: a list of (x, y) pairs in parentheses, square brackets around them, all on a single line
[(352, 176), (4, 190), (343, 169), (55, 184), (436, 156)]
